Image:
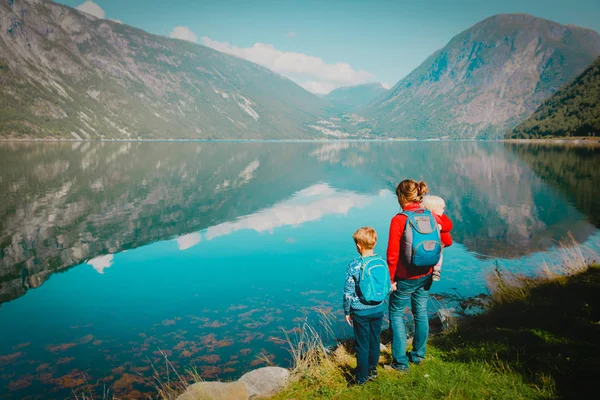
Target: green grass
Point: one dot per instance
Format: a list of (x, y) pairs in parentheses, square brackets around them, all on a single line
[(437, 378), (541, 345)]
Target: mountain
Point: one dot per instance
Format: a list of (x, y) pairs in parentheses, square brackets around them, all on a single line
[(485, 80), (66, 74), (352, 98), (572, 111)]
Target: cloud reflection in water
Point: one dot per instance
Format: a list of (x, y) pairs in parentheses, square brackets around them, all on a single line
[(310, 204), (101, 263)]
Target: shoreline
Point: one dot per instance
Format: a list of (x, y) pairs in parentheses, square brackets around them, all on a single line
[(242, 140), (570, 140), (584, 140)]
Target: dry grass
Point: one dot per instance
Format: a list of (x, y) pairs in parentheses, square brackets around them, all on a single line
[(507, 287), (307, 344), (166, 381), (169, 384), (572, 259), (105, 395)]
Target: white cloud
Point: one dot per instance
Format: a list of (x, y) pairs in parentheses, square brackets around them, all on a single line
[(311, 72), (386, 85), (101, 263), (118, 21), (186, 241), (91, 8), (183, 33)]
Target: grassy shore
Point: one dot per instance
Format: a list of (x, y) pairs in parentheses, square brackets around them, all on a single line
[(561, 141), (539, 340)]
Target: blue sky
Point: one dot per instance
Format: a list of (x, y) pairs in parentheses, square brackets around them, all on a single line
[(330, 43)]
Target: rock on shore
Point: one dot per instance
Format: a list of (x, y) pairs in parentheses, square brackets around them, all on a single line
[(260, 383)]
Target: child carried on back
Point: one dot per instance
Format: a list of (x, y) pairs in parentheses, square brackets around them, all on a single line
[(437, 207)]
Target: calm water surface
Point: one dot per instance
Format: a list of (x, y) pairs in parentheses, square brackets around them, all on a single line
[(211, 252)]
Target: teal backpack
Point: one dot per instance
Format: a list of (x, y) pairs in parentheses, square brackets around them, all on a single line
[(374, 282), (421, 245)]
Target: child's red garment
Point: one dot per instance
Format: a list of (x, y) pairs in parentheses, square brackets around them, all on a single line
[(395, 264), (446, 224)]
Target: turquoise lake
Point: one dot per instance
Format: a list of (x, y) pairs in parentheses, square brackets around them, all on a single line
[(111, 253)]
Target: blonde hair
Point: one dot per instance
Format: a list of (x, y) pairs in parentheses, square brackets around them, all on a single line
[(411, 191), (366, 237), (432, 203)]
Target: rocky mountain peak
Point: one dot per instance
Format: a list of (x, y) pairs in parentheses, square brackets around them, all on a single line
[(485, 79), (67, 74)]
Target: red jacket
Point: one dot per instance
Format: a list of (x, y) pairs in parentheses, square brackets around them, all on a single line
[(395, 264)]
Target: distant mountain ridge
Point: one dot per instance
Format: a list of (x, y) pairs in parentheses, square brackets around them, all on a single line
[(66, 74), (485, 80), (572, 111), (352, 98)]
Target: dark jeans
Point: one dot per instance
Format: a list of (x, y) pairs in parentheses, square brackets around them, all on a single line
[(367, 330)]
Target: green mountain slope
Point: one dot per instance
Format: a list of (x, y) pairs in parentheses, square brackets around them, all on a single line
[(351, 98), (66, 74), (485, 80), (572, 111)]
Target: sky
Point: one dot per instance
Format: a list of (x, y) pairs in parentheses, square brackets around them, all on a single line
[(325, 44)]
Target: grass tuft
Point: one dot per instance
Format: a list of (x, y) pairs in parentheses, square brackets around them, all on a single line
[(168, 382), (507, 287)]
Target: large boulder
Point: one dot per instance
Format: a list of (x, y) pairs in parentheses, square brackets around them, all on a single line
[(215, 391), (265, 382)]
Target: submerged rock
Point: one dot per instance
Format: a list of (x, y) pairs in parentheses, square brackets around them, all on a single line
[(264, 382), (215, 391)]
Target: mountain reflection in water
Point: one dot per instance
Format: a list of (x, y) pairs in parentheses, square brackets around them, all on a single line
[(63, 203), (210, 251)]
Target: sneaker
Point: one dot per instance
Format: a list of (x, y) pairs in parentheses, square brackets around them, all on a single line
[(416, 361), (372, 375), (355, 382), (399, 369)]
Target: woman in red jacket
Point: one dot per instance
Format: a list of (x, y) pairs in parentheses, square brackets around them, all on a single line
[(410, 287)]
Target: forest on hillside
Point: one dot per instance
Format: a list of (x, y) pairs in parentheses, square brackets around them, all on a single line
[(572, 111)]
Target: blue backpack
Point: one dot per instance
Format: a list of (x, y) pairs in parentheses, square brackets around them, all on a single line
[(374, 282), (421, 245)]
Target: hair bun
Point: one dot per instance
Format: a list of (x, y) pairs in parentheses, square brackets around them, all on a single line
[(422, 188)]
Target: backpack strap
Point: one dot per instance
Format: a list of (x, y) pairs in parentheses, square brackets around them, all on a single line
[(363, 264), (408, 213)]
